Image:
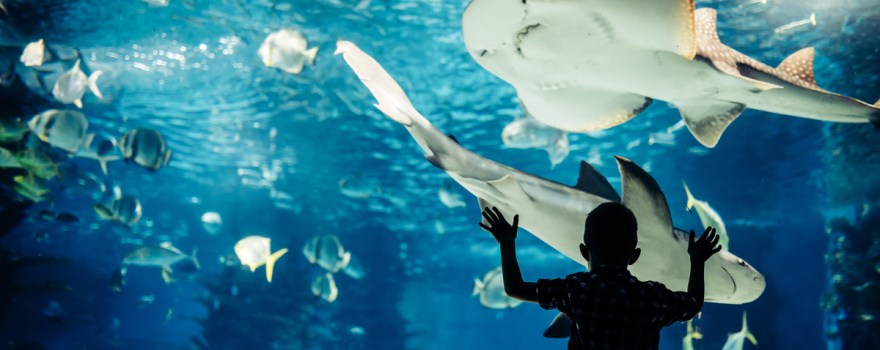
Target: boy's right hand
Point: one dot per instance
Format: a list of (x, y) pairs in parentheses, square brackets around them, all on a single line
[(704, 247)]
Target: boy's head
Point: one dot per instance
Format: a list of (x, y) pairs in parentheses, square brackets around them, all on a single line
[(610, 235)]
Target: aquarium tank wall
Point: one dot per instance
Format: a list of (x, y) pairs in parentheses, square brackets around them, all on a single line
[(292, 174)]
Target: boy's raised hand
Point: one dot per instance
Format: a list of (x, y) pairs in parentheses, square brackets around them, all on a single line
[(498, 226), (704, 247)]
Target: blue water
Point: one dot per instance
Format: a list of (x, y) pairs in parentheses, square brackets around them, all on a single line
[(191, 71)]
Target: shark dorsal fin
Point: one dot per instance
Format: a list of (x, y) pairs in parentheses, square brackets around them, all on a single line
[(643, 196), (800, 65), (706, 23), (592, 182)]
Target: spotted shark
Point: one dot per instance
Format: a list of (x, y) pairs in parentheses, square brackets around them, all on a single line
[(555, 213), (585, 65)]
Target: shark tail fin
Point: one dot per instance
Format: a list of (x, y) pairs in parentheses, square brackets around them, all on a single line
[(800, 65), (690, 197), (93, 80), (391, 100), (708, 120), (478, 286), (193, 258), (748, 334), (311, 54), (270, 263)]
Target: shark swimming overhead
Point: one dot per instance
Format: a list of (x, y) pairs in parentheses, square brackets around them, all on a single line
[(555, 213), (584, 65)]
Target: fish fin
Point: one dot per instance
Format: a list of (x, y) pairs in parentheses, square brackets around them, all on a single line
[(93, 79), (103, 212), (509, 188), (87, 140), (690, 197), (452, 137), (311, 54), (103, 162), (478, 286), (270, 262), (391, 100), (751, 338), (558, 150), (483, 204), (78, 103), (643, 196), (593, 182), (581, 109), (167, 158), (194, 259), (707, 120), (346, 259), (800, 65), (166, 275), (559, 328)]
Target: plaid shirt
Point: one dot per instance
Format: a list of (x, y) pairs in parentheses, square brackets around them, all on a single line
[(611, 309)]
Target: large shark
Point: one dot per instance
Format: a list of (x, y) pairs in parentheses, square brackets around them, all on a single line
[(583, 65), (555, 213)]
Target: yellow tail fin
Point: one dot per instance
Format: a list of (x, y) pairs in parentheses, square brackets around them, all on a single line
[(270, 262), (690, 197)]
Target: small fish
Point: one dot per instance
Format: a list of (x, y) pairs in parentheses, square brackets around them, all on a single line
[(162, 256), (30, 188), (117, 279), (168, 315), (71, 86), (287, 50), (796, 26), (62, 128), (491, 291), (8, 160), (124, 209), (708, 217), (146, 300), (54, 311), (325, 287), (146, 148), (212, 222), (47, 215), (255, 251), (33, 54), (449, 197), (735, 340), (527, 132), (327, 251), (358, 187), (687, 343), (11, 130), (37, 163)]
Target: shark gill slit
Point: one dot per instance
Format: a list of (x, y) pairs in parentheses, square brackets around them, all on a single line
[(731, 280)]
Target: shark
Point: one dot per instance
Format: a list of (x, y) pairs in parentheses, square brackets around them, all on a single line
[(586, 65), (555, 213)]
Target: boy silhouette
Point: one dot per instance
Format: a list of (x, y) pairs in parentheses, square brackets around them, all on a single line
[(608, 307)]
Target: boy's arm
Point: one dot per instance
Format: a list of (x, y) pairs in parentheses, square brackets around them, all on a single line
[(505, 234), (700, 251)]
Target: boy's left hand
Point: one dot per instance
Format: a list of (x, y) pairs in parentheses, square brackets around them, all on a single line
[(498, 226)]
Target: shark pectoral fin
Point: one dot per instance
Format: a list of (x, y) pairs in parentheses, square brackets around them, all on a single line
[(391, 99), (670, 27), (593, 182), (559, 328), (643, 196), (581, 109), (707, 120), (166, 275), (800, 65), (508, 188), (270, 263)]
